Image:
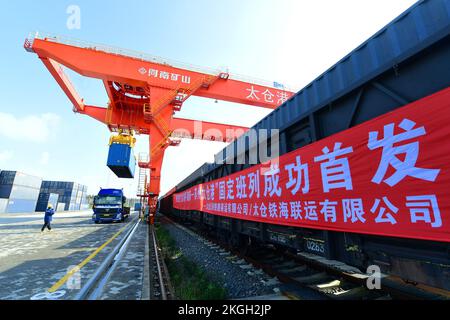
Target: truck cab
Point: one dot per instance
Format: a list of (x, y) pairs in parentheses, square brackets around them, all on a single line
[(110, 206)]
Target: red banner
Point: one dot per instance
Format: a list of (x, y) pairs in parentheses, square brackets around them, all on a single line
[(389, 176)]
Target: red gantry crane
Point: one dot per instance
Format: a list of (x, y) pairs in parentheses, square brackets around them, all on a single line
[(144, 93)]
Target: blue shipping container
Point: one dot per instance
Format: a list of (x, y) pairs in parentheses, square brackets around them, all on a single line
[(20, 205), (121, 160), (137, 206)]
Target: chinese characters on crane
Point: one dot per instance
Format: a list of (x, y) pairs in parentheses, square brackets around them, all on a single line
[(164, 75), (269, 96)]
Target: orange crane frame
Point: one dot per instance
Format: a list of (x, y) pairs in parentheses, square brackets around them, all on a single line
[(145, 92)]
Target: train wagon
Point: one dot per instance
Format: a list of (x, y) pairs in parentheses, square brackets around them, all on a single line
[(363, 171)]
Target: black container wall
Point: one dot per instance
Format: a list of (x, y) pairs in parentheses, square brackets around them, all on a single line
[(5, 190), (7, 177), (41, 206)]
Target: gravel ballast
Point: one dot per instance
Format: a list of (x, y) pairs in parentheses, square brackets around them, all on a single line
[(240, 279)]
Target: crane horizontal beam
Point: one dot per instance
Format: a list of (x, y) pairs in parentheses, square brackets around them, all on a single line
[(134, 73)]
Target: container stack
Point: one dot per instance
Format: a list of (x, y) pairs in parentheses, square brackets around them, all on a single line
[(19, 192), (71, 195)]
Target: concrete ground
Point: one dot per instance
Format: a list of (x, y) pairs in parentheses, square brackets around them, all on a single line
[(127, 281), (32, 262)]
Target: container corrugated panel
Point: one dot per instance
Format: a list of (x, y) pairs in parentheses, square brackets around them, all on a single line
[(422, 25), (60, 207), (24, 192), (21, 205), (41, 206), (121, 160), (75, 190), (22, 179), (43, 196), (53, 199), (3, 205), (5, 190), (62, 188), (7, 177), (19, 178)]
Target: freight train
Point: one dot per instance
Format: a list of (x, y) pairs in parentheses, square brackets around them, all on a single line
[(396, 82)]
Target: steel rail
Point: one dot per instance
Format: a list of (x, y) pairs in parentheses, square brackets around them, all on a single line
[(94, 287), (158, 266)]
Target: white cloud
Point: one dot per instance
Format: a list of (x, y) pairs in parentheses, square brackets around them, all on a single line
[(6, 155), (35, 128), (45, 157)]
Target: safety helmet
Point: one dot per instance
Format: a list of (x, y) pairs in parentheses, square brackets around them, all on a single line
[(50, 206)]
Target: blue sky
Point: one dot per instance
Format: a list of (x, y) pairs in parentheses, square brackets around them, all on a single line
[(288, 41)]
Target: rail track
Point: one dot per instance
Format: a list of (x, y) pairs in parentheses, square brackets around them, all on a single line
[(94, 287), (160, 288), (308, 276)]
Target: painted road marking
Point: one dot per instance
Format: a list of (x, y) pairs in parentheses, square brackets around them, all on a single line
[(47, 295), (64, 279)]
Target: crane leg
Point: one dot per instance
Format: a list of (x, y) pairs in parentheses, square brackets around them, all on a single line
[(153, 188)]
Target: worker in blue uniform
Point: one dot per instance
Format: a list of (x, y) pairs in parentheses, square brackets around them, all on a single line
[(48, 218)]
